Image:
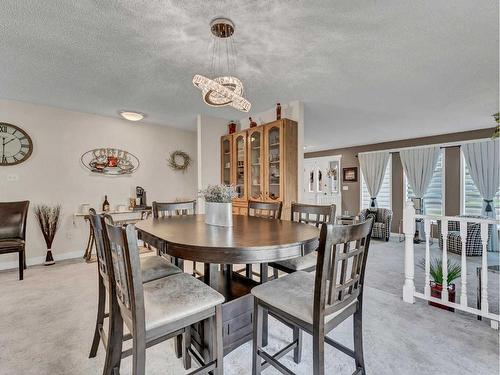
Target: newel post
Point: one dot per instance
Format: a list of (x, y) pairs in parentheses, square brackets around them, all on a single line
[(409, 231)]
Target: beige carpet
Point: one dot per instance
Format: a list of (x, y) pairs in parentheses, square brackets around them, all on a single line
[(46, 326)]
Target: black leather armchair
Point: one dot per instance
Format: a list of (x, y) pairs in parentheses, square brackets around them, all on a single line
[(13, 230)]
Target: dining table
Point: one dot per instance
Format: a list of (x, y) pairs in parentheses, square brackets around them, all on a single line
[(251, 240)]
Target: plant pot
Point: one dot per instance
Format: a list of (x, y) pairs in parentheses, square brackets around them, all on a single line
[(220, 214), (436, 290), (49, 259)]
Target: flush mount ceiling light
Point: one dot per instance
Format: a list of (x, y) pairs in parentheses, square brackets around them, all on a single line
[(225, 88), (132, 116)]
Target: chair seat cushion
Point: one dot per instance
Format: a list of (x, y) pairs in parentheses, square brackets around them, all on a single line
[(293, 294), (301, 263), (155, 267), (13, 243), (170, 299)]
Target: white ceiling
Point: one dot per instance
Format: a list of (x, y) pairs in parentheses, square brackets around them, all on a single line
[(367, 71)]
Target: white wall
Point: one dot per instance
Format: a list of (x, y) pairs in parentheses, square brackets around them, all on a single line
[(53, 174), (209, 131)]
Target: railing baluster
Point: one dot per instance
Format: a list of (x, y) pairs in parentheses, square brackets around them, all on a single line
[(484, 269), (409, 231), (444, 292), (463, 271), (427, 288)]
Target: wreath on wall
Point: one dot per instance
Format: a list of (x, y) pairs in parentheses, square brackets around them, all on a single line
[(179, 161)]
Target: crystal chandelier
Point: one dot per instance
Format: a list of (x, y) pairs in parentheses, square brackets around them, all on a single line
[(225, 89)]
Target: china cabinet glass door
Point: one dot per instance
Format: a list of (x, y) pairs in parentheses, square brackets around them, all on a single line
[(240, 165), (255, 151), (273, 176), (226, 161)]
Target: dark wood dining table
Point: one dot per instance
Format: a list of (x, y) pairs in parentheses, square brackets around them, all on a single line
[(251, 240)]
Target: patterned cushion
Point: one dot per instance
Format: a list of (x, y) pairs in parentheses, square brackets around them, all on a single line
[(382, 224), (473, 243)]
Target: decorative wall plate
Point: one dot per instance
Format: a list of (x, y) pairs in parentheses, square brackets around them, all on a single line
[(110, 161)]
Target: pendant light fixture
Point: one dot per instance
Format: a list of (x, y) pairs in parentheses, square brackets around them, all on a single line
[(224, 89)]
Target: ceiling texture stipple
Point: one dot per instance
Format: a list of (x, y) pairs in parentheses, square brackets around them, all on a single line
[(367, 71)]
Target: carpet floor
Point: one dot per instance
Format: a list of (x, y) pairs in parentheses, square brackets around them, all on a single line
[(46, 327)]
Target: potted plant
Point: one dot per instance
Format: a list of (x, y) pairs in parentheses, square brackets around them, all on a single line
[(218, 204), (48, 218), (436, 272)]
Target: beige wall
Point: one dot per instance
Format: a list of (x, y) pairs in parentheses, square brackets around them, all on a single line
[(351, 197), (53, 174)]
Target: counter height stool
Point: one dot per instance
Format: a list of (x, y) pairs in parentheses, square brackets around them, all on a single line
[(161, 309), (308, 214), (167, 209), (318, 303), (152, 268), (13, 230), (266, 210)]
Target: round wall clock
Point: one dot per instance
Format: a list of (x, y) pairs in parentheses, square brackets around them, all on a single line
[(15, 145)]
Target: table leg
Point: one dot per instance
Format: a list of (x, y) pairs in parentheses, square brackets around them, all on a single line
[(210, 278), (265, 315), (478, 300)]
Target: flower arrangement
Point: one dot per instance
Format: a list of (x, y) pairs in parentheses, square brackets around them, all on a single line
[(436, 270), (48, 218), (218, 193)]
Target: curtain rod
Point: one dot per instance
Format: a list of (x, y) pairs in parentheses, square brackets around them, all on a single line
[(441, 145)]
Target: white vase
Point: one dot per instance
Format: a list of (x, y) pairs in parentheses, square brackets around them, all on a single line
[(220, 214)]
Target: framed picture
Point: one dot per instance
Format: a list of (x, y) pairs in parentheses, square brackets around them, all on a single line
[(350, 174)]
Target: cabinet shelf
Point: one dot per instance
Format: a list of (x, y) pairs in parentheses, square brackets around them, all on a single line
[(274, 162), (274, 144)]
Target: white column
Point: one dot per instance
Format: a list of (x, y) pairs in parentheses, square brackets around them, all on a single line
[(409, 231), (444, 230), (463, 272), (427, 287)]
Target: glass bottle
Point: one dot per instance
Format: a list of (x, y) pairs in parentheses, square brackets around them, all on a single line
[(278, 111), (105, 204)]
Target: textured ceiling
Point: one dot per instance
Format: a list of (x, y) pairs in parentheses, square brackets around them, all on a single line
[(367, 71)]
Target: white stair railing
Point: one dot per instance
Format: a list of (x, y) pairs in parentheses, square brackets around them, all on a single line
[(409, 291)]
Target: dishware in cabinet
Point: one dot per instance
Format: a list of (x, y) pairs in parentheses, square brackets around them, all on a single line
[(256, 162), (226, 160), (240, 165)]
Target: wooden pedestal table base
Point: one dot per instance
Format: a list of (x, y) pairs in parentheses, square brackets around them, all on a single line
[(251, 240)]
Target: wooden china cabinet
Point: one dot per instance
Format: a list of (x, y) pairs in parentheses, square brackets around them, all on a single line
[(263, 164)]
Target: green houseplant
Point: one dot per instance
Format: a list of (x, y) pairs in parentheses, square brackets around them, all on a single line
[(436, 273), (218, 204)]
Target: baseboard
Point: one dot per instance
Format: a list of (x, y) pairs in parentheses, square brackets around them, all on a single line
[(34, 261)]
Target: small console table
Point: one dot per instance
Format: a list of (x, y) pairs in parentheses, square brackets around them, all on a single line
[(123, 217)]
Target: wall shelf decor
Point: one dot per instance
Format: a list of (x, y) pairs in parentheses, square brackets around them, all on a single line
[(110, 161)]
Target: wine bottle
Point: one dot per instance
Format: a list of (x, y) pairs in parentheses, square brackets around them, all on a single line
[(105, 204), (278, 111)]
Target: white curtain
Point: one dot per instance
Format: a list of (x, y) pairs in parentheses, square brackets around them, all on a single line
[(483, 160), (373, 166), (419, 165)]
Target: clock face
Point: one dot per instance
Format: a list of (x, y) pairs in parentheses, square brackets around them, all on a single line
[(15, 145)]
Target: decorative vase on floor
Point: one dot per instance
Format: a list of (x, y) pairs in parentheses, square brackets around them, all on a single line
[(48, 219), (220, 214)]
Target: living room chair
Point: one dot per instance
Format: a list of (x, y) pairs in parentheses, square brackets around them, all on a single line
[(13, 231), (382, 221), (318, 303), (158, 310), (473, 243)]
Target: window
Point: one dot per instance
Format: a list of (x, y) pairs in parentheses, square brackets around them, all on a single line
[(472, 201), (384, 198), (433, 198)]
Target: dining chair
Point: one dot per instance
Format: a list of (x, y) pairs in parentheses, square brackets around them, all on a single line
[(159, 310), (309, 214), (266, 210), (13, 231), (152, 268), (168, 209), (318, 303)]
